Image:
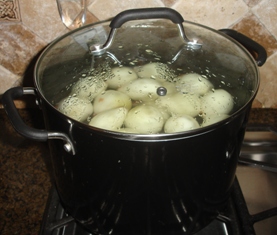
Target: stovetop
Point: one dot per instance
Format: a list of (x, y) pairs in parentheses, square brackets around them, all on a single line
[(252, 207)]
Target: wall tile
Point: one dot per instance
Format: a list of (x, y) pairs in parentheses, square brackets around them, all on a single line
[(169, 3), (27, 26), (8, 79), (91, 18), (42, 17), (105, 9), (17, 47), (267, 94), (9, 11), (267, 13), (251, 26), (257, 104), (252, 3), (213, 13)]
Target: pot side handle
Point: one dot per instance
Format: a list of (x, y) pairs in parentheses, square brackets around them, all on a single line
[(18, 124), (31, 133), (259, 54)]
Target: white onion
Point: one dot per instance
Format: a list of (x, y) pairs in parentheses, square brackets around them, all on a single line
[(144, 119), (111, 99), (217, 102), (88, 88), (209, 120), (180, 123), (76, 108), (144, 89), (179, 103), (121, 76), (193, 83), (110, 120)]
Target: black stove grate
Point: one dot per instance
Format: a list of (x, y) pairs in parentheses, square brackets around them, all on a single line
[(236, 220), (246, 219)]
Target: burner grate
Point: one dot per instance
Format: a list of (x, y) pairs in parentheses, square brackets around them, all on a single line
[(57, 222)]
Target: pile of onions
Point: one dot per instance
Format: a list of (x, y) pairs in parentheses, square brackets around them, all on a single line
[(129, 101)]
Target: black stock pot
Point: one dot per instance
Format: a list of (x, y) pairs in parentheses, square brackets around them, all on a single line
[(125, 179)]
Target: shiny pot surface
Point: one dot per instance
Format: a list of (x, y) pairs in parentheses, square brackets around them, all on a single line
[(140, 183)]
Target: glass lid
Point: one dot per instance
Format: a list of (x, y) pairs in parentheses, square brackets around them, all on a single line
[(147, 76)]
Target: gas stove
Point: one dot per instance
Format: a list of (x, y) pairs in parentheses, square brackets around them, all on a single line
[(252, 207)]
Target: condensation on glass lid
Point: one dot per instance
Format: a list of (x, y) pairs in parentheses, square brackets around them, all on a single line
[(147, 99)]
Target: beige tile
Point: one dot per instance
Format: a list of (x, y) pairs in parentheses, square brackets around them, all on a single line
[(213, 13), (42, 18), (8, 79), (169, 3), (267, 13), (91, 18), (105, 9), (9, 11), (27, 26), (251, 26), (257, 104), (17, 47), (252, 3), (267, 94)]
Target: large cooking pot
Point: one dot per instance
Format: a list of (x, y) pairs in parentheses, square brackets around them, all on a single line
[(116, 182)]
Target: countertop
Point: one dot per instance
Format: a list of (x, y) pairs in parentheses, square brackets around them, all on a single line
[(25, 181)]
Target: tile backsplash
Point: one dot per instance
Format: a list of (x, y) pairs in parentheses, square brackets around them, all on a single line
[(27, 26)]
